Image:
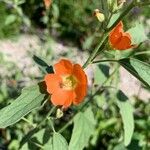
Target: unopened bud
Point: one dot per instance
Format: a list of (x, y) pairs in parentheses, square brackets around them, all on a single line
[(115, 5), (59, 113), (120, 3), (100, 16)]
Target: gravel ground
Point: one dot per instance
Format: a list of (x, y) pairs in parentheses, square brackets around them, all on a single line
[(17, 52)]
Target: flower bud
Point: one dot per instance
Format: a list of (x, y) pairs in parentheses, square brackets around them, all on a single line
[(120, 3), (115, 5), (59, 113), (100, 16)]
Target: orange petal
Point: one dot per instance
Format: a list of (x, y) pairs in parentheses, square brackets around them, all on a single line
[(63, 98), (71, 98), (79, 73), (63, 67), (118, 28), (116, 34), (80, 91), (52, 82), (124, 43), (81, 88)]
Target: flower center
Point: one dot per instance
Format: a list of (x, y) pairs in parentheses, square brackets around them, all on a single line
[(69, 82)]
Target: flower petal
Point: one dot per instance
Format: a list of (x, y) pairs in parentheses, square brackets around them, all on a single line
[(71, 97), (80, 91), (119, 39), (81, 88), (63, 67), (116, 34), (52, 82), (79, 73), (124, 43), (63, 98)]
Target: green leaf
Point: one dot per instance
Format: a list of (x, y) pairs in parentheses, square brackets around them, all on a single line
[(27, 21), (113, 19), (126, 111), (55, 11), (25, 147), (137, 33), (84, 125), (57, 142), (50, 141), (120, 147), (49, 145), (30, 99), (42, 136), (10, 19), (43, 65), (14, 144), (88, 42), (137, 68), (101, 73)]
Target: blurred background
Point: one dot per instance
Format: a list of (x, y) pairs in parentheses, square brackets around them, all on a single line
[(68, 29)]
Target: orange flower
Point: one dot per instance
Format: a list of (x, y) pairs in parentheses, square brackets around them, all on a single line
[(67, 85), (47, 3), (119, 39)]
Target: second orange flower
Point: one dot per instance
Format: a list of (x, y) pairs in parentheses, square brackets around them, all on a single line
[(119, 39)]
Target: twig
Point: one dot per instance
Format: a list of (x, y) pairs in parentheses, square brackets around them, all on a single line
[(107, 60)]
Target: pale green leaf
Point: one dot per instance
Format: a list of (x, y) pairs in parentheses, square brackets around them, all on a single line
[(42, 136), (30, 99), (14, 144), (126, 111), (56, 142), (49, 145), (101, 73), (139, 69), (120, 147), (43, 65), (59, 142), (137, 33), (84, 124), (26, 21), (24, 147), (113, 19), (10, 19), (88, 42)]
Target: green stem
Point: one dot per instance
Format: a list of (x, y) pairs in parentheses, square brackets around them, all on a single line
[(110, 77), (111, 14), (141, 53), (37, 144), (29, 122), (48, 114), (141, 4), (36, 129), (89, 60), (101, 49), (124, 13), (107, 60), (51, 124), (66, 125)]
